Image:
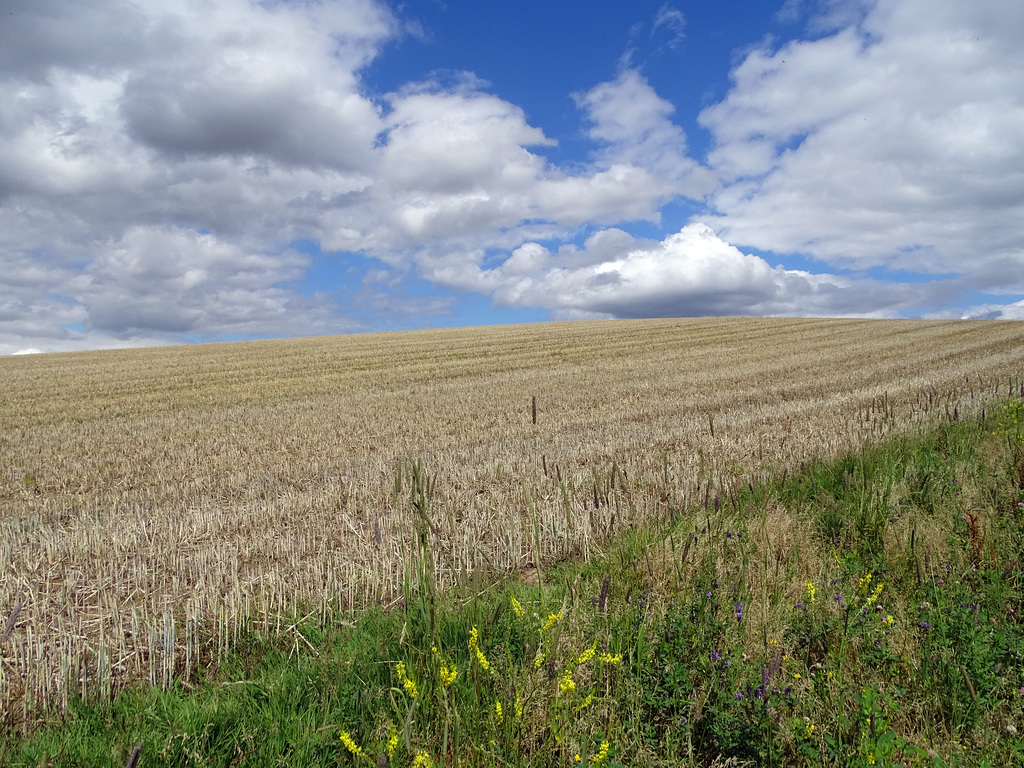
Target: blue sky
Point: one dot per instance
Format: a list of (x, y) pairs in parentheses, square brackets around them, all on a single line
[(201, 170)]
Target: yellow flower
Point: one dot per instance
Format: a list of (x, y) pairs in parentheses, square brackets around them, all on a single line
[(877, 593), (567, 685), (601, 753), (499, 714), (408, 684), (577, 758), (392, 743), (350, 745), (422, 760), (888, 620), (473, 635), (587, 701), (607, 658), (519, 705), (448, 674), (811, 591), (539, 660), (797, 676), (553, 619), (864, 584), (587, 654), (517, 607)]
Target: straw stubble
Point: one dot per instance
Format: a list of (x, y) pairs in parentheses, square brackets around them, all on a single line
[(157, 502)]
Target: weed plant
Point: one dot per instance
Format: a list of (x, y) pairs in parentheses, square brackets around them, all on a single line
[(864, 611)]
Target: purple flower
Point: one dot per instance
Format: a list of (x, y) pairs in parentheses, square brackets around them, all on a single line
[(739, 611), (739, 696), (709, 593), (715, 655), (682, 720), (728, 534), (924, 625)]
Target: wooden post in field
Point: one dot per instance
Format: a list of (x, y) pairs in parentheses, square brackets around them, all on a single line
[(534, 409)]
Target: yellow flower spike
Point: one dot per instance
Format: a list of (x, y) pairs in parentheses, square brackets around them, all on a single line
[(517, 607), (587, 655), (607, 658), (601, 754), (407, 683), (448, 674), (392, 743), (350, 745), (864, 584), (539, 660), (877, 593), (519, 705), (811, 591), (422, 760), (499, 713), (481, 659), (587, 701), (553, 619), (567, 684)]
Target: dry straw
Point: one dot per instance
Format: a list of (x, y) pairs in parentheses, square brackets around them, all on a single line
[(157, 502)]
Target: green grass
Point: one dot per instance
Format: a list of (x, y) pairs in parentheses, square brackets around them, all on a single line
[(863, 611)]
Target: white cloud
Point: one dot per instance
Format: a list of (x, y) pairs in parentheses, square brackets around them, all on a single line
[(896, 143), (156, 160), (1014, 311), (457, 171), (635, 126), (692, 272), (673, 22)]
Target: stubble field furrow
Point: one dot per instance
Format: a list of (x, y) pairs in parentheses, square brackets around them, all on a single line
[(156, 501)]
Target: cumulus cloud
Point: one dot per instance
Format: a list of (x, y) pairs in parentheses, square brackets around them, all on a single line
[(895, 142), (158, 162), (1014, 311), (634, 124), (692, 272), (156, 159)]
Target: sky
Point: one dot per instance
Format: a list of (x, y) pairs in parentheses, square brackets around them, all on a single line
[(181, 171)]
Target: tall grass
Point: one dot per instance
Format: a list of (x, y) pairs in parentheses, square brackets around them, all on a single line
[(865, 610)]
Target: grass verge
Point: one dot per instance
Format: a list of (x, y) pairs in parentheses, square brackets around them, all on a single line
[(863, 611)]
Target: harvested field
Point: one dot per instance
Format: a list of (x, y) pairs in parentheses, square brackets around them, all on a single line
[(154, 502)]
